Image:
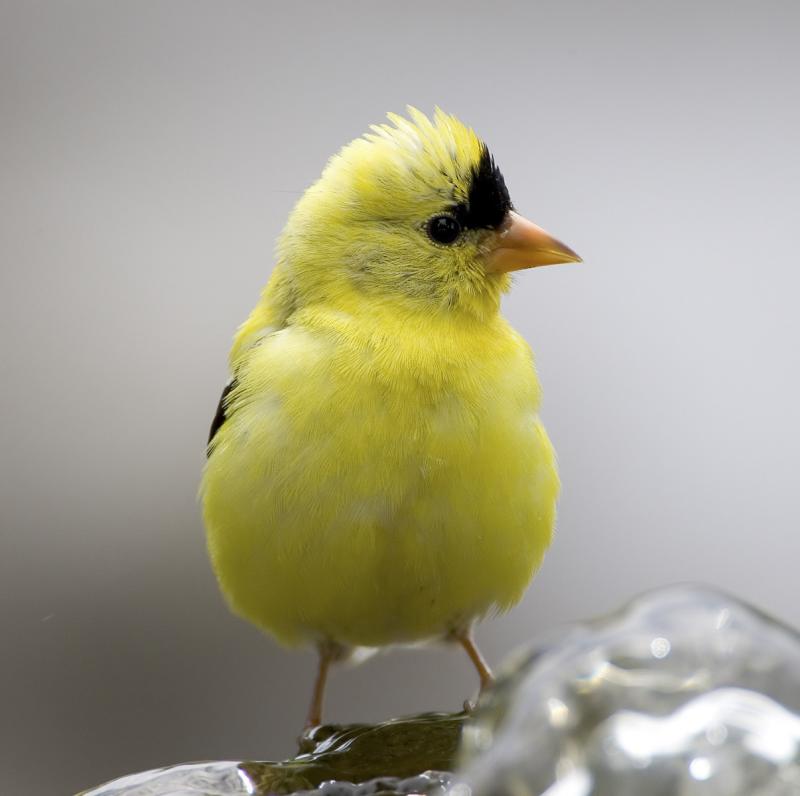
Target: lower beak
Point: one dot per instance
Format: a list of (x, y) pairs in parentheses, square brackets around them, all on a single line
[(521, 244)]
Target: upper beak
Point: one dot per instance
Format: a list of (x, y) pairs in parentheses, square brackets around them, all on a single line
[(521, 244)]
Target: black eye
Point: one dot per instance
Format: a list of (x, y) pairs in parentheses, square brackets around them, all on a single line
[(444, 229)]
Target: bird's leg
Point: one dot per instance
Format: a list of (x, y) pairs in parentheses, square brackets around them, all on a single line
[(329, 652), (465, 639)]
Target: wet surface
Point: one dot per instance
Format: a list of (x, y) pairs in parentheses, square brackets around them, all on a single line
[(409, 755)]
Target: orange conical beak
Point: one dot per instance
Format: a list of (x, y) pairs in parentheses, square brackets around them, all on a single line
[(521, 244)]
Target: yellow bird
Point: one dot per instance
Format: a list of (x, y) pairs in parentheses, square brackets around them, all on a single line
[(377, 471)]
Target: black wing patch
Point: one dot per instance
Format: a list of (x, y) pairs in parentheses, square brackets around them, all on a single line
[(219, 417)]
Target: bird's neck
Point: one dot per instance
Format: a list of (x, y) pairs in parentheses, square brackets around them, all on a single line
[(397, 338), (371, 319), (378, 310)]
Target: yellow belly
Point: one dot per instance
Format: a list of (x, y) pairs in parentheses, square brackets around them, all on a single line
[(375, 499)]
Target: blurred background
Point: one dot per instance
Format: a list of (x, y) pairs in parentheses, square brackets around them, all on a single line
[(150, 154)]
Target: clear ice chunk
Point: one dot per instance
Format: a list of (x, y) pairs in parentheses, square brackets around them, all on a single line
[(220, 778), (684, 692)]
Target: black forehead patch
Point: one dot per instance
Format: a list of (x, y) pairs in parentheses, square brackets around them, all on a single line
[(488, 201)]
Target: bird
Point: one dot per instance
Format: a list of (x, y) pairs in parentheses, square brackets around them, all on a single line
[(377, 472)]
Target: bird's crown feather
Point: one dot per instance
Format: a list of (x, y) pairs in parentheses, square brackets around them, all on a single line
[(445, 141), (439, 159)]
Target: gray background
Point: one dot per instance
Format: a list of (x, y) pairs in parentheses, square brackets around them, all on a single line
[(150, 154)]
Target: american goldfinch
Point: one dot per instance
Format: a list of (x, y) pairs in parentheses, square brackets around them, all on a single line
[(377, 471)]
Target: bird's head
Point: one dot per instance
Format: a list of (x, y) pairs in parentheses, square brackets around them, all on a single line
[(415, 212)]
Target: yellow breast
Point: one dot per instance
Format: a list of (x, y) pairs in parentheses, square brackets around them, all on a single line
[(380, 479)]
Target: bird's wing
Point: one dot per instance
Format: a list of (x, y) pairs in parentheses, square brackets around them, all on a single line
[(270, 315), (220, 414)]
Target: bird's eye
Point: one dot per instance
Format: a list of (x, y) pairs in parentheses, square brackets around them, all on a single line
[(444, 229)]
